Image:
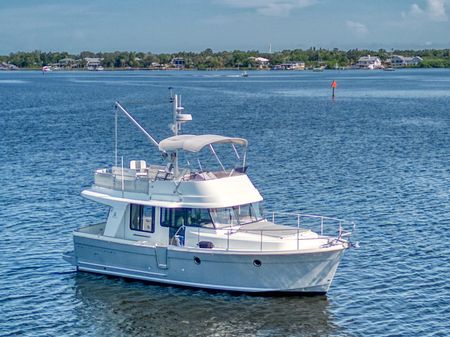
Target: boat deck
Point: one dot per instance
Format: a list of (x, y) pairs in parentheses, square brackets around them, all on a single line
[(271, 229)]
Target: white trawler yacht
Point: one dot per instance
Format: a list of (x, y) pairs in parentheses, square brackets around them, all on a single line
[(192, 226)]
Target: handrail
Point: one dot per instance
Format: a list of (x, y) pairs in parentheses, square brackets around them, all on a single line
[(224, 239), (312, 216)]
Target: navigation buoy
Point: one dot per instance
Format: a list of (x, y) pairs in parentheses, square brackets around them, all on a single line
[(333, 87)]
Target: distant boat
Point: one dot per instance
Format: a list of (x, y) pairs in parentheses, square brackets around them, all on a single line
[(244, 74), (389, 69), (100, 68), (46, 69), (318, 69)]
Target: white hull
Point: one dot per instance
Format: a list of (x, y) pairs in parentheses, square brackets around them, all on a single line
[(296, 272)]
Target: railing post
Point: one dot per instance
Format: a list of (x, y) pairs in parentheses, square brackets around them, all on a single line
[(321, 225), (198, 236), (261, 241), (123, 182), (228, 239), (273, 217), (298, 231)]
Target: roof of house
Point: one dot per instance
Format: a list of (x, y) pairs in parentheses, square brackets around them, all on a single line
[(368, 58), (92, 59), (259, 59)]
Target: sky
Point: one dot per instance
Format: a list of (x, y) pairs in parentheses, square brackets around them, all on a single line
[(161, 26)]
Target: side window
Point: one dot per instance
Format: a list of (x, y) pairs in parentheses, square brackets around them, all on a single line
[(177, 217), (198, 217), (142, 218), (166, 217), (173, 217), (135, 217)]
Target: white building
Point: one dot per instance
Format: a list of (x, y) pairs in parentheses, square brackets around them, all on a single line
[(8, 66), (405, 61), (68, 63), (93, 63), (368, 62), (290, 66), (260, 61), (178, 62)]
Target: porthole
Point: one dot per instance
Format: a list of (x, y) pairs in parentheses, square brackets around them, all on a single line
[(197, 260), (257, 263)]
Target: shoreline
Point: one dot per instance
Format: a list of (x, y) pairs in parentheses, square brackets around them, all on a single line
[(213, 69)]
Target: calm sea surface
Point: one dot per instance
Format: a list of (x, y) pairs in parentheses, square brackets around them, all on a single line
[(379, 154)]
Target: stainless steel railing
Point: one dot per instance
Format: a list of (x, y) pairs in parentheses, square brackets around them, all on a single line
[(331, 231), (320, 222)]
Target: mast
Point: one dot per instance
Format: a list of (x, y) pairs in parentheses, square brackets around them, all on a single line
[(126, 113), (178, 118), (119, 107)]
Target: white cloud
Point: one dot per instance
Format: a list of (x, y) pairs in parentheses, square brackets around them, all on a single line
[(357, 27), (268, 7), (415, 10), (434, 10)]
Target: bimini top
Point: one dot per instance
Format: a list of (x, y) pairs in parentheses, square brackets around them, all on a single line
[(193, 143)]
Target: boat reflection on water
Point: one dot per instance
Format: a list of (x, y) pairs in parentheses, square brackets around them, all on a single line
[(115, 306)]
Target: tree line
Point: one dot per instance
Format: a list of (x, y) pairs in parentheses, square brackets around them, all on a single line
[(208, 59)]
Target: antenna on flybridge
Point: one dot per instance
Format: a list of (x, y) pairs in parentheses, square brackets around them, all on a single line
[(178, 116), (178, 119)]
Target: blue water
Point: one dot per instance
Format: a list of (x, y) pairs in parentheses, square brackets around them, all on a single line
[(379, 154)]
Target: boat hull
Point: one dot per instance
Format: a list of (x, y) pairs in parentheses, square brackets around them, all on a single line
[(252, 272)]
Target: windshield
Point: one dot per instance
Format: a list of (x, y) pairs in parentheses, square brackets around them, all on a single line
[(236, 215)]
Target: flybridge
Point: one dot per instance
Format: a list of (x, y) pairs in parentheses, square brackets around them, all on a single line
[(171, 146)]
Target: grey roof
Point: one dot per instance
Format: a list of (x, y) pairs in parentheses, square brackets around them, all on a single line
[(193, 143), (368, 58)]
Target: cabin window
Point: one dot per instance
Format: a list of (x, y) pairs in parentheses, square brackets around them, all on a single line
[(224, 217), (249, 213), (193, 217), (236, 215), (142, 218)]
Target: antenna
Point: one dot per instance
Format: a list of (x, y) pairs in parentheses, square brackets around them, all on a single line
[(178, 119), (171, 94), (115, 137)]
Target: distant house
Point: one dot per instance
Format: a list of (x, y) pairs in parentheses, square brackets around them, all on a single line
[(68, 63), (290, 66), (405, 61), (93, 63), (178, 62), (8, 66), (368, 62), (260, 61)]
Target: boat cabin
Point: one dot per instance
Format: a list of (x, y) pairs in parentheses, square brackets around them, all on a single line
[(196, 199)]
